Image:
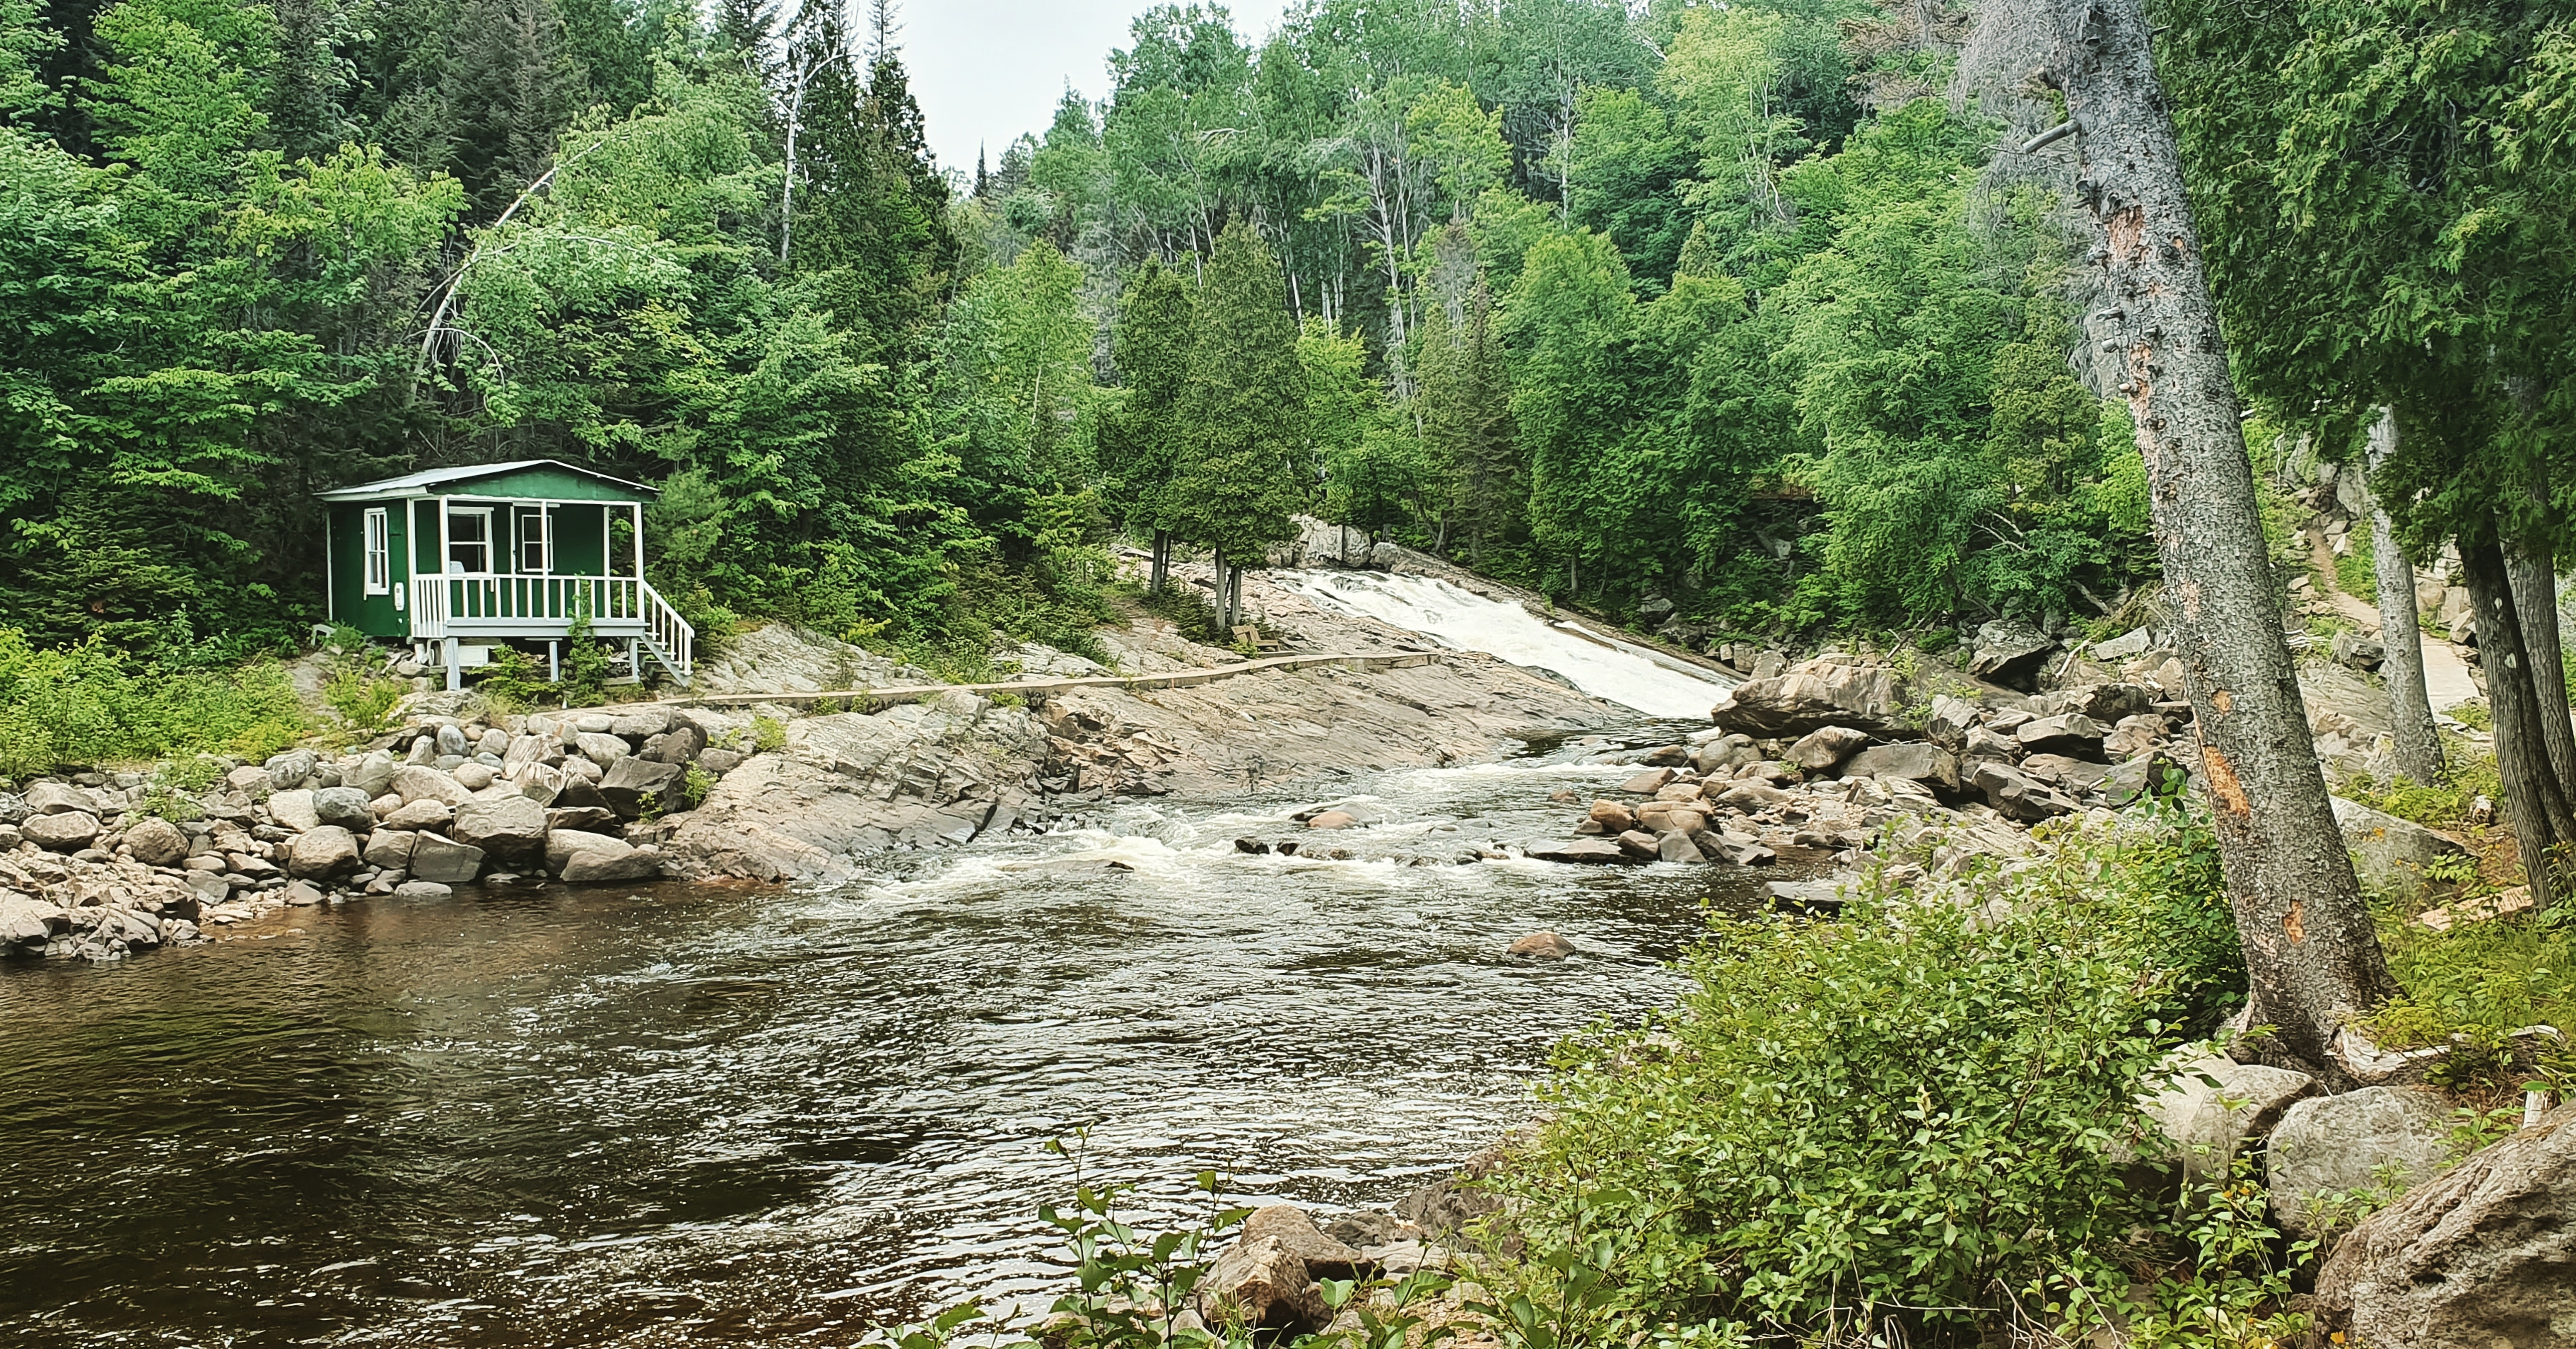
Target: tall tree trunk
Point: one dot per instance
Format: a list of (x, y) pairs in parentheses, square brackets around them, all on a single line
[(1162, 565), (1224, 620), (2534, 795), (2313, 957), (2419, 745), (2535, 601)]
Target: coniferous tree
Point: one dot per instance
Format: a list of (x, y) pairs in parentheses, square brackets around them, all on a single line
[(1141, 439), (510, 87), (1243, 411)]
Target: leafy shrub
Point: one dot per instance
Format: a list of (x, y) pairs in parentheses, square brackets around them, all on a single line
[(2357, 572), (694, 786), (768, 734), (90, 704), (1904, 1109)]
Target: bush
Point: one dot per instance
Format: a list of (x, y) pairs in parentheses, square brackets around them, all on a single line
[(89, 704), (1908, 1109)]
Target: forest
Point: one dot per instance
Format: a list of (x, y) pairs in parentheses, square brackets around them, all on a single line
[(1770, 317)]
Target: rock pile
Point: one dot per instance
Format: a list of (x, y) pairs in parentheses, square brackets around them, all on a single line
[(579, 797), (1813, 759)]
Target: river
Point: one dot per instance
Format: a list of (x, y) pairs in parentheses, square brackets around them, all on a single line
[(708, 1115)]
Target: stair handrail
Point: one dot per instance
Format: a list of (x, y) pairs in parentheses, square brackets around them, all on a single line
[(672, 638)]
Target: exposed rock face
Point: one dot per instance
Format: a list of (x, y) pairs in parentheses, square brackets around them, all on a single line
[(1262, 1285), (1817, 694), (2019, 796), (1323, 1256), (634, 786), (2390, 853), (1913, 762), (850, 784), (449, 863), (1823, 748), (2330, 1145), (2483, 1257)]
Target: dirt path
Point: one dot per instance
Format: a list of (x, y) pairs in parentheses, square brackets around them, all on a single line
[(2447, 682)]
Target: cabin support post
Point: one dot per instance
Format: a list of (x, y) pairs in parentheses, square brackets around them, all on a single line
[(635, 659), (455, 673), (554, 662)]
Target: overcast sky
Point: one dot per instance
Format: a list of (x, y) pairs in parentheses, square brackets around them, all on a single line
[(987, 70)]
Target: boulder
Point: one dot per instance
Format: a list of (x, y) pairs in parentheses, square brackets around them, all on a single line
[(525, 751), (1613, 817), (61, 798), (1261, 1285), (1674, 845), (1867, 698), (324, 852), (640, 723), (390, 848), (414, 782), (2018, 796), (1578, 850), (474, 777), (563, 845), (1649, 782), (300, 894), (157, 843), (2209, 1108), (419, 815), (2134, 736), (1639, 844), (633, 786), (294, 810), (1951, 720), (1821, 749), (2066, 733), (1988, 745), (599, 747), (580, 793), (2011, 653), (2076, 777), (1332, 819), (1911, 762), (449, 863), (346, 807), (2134, 642), (2391, 854), (585, 819), (29, 922), (601, 866), (2483, 1257), (509, 829), (2374, 1138), (451, 740), (1324, 1257), (290, 770), (1751, 796), (2359, 652), (62, 831), (419, 889), (680, 744)]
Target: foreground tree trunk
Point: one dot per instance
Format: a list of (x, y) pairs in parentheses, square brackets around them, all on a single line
[(2534, 796), (2313, 958), (1162, 562), (2535, 602), (1224, 616), (2419, 744)]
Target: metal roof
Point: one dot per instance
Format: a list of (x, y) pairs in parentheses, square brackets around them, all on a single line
[(428, 480)]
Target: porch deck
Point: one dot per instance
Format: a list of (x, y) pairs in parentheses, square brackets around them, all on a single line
[(545, 607)]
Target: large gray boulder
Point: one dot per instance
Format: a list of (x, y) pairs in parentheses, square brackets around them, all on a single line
[(290, 770), (2017, 795), (508, 828), (2012, 653), (1324, 1257), (1865, 698), (2391, 854), (634, 786), (1950, 721), (449, 863), (62, 831), (2483, 1257), (2071, 733), (2209, 1108), (680, 744), (344, 806), (600, 747), (1913, 761), (29, 923), (2376, 1138), (1825, 747), (425, 813), (157, 843), (390, 848), (581, 857), (293, 810), (415, 782), (373, 774), (1261, 1285), (58, 798), (323, 853)]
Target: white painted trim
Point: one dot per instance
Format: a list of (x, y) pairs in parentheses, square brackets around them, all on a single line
[(447, 554), (375, 547), (330, 568), (545, 540)]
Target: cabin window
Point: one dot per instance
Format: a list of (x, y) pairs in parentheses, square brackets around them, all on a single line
[(469, 541), (535, 554), (380, 553)]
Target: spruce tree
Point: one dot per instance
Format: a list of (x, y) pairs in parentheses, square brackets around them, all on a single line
[(1140, 441), (1243, 411)]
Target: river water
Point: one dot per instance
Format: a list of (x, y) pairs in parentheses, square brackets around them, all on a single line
[(703, 1115)]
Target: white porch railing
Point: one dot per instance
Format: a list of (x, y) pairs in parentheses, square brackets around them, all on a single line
[(545, 607)]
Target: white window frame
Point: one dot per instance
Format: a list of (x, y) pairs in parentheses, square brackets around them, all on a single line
[(376, 533), (544, 543), (456, 513)]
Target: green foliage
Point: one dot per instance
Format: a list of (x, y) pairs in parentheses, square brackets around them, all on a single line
[(89, 704), (364, 700), (2478, 982), (2230, 1292), (1900, 1108), (2356, 572), (1243, 409), (768, 734)]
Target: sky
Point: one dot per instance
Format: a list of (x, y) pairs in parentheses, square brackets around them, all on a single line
[(985, 71)]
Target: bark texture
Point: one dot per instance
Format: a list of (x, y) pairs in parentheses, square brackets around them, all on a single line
[(2535, 602), (2313, 957), (2418, 744), (2533, 795), (1162, 562)]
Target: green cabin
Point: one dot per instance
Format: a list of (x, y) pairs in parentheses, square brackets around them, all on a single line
[(455, 561)]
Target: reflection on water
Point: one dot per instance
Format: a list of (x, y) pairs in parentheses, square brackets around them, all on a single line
[(708, 1115)]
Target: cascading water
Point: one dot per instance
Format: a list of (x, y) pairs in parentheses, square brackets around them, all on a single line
[(1461, 619)]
